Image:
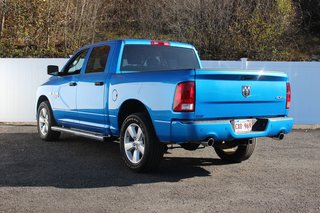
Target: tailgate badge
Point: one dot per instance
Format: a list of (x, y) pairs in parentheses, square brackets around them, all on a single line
[(246, 91)]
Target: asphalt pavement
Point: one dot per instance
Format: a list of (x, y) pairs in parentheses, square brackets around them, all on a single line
[(81, 175)]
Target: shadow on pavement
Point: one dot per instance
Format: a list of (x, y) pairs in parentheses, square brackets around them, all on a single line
[(74, 162)]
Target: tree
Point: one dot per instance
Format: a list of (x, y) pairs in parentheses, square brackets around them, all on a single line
[(311, 15), (221, 29)]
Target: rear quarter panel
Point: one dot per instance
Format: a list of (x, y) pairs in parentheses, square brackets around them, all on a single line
[(155, 90)]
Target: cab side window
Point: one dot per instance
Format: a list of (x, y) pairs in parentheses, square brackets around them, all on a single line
[(75, 66), (98, 59)]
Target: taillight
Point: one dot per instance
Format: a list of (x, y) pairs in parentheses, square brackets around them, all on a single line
[(288, 98), (160, 43), (184, 98)]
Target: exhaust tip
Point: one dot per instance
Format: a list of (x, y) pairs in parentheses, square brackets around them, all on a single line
[(279, 137), (210, 141)]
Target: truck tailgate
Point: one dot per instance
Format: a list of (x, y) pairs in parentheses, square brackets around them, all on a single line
[(239, 94)]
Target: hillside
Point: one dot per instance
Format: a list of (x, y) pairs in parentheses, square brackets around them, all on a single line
[(229, 30)]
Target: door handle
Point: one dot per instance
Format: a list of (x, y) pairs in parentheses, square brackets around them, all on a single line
[(72, 84), (98, 83)]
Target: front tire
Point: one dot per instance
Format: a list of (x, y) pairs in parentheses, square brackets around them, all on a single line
[(139, 146), (241, 152), (45, 121)]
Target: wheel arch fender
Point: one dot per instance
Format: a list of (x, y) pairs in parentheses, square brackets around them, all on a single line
[(41, 99), (131, 106)]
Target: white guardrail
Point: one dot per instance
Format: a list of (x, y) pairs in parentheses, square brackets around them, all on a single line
[(19, 79)]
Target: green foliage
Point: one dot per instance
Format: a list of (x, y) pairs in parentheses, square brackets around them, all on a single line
[(262, 32), (257, 29)]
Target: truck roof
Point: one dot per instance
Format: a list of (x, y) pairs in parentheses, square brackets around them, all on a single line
[(142, 42)]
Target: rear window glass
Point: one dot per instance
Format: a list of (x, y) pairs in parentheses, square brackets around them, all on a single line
[(98, 59), (157, 58)]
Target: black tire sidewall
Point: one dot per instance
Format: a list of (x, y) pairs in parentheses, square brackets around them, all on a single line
[(51, 135), (243, 152), (141, 121)]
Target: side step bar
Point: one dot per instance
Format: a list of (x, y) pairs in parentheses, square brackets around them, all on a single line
[(80, 133)]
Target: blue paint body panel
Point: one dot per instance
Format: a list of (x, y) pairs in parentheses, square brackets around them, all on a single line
[(219, 99), (183, 131)]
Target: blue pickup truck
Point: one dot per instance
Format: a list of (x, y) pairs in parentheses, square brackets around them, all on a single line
[(148, 94)]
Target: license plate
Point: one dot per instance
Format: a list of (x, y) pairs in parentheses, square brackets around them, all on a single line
[(242, 126)]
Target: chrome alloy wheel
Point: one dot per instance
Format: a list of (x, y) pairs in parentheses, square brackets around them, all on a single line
[(44, 121), (230, 151), (134, 143)]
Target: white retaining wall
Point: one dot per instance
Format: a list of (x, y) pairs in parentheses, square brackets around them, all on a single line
[(304, 78), (19, 79)]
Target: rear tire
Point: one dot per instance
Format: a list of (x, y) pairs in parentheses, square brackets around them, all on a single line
[(45, 121), (239, 153), (139, 146)]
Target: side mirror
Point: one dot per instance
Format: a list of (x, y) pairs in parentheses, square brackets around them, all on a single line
[(52, 70)]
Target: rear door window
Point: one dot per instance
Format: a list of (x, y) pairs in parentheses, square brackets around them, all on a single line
[(98, 59)]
